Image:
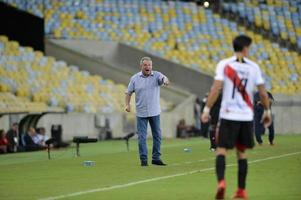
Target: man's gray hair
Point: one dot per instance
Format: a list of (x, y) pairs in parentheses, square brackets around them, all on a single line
[(145, 58)]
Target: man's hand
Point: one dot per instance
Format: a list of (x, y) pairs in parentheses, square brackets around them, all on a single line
[(128, 108), (266, 118), (205, 115), (165, 81)]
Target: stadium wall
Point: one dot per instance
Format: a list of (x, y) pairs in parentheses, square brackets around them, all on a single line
[(287, 114), (4, 122), (82, 124), (73, 124), (93, 125)]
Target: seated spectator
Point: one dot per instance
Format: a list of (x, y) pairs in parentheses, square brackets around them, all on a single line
[(35, 137), (31, 141), (184, 131), (41, 136), (3, 142)]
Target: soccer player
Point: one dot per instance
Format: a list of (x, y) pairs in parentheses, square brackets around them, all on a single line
[(237, 76)]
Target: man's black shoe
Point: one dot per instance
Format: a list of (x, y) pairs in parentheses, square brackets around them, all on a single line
[(158, 162), (144, 163)]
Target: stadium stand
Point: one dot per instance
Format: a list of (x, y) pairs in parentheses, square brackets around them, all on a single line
[(281, 18), (10, 103), (179, 31), (30, 81)]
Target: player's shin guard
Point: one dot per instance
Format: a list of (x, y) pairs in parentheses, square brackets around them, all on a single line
[(242, 173), (220, 164)]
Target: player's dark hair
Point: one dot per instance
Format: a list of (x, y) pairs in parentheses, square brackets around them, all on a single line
[(240, 42)]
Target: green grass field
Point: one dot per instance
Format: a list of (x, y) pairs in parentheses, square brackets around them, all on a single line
[(274, 172)]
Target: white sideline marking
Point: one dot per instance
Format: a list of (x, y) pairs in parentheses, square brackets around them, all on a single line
[(159, 178)]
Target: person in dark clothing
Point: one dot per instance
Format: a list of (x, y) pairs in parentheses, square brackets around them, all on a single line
[(3, 142), (197, 114), (214, 113), (204, 125), (185, 131), (259, 128), (12, 138)]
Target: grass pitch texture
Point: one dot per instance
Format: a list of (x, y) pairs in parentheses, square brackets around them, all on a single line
[(274, 172)]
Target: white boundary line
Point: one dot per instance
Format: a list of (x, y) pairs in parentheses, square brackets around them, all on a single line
[(159, 178)]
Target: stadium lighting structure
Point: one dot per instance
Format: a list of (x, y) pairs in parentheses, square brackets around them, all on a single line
[(206, 4)]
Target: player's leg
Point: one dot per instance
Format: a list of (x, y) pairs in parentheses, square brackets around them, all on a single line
[(212, 133), (220, 167), (271, 133), (242, 175), (245, 140), (224, 140)]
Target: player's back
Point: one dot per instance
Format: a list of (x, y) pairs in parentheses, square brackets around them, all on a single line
[(240, 77)]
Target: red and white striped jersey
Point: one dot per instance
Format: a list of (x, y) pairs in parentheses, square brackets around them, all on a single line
[(240, 79)]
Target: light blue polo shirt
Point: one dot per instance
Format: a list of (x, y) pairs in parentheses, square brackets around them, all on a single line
[(147, 93)]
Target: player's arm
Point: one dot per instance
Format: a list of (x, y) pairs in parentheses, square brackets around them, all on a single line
[(264, 98), (212, 97)]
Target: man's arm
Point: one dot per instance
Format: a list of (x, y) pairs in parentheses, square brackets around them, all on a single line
[(215, 90), (264, 98), (127, 102), (128, 94), (163, 80)]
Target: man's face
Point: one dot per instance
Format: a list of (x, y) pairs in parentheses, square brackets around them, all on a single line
[(146, 67), (32, 132), (42, 132)]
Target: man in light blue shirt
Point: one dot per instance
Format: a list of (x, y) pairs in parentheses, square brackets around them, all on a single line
[(146, 85)]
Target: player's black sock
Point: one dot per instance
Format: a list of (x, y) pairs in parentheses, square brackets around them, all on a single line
[(242, 173), (220, 164)]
